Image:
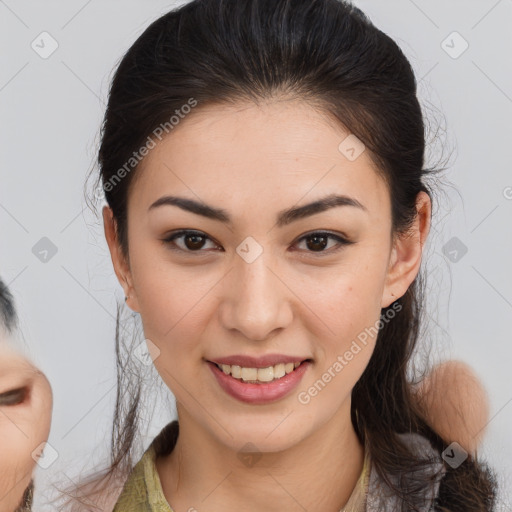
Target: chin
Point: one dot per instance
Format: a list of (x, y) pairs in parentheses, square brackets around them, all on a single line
[(277, 434)]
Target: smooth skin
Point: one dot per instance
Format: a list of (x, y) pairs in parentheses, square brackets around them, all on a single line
[(201, 304)]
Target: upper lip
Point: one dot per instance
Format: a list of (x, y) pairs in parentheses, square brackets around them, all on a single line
[(258, 362)]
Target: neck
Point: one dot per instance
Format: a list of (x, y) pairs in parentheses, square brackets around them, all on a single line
[(318, 473)]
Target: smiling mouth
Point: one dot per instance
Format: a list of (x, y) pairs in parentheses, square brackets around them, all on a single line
[(259, 375)]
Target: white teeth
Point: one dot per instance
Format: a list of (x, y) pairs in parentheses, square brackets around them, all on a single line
[(279, 371), (258, 374), (249, 374)]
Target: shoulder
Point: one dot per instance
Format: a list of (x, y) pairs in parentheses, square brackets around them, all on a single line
[(143, 490), (135, 495)]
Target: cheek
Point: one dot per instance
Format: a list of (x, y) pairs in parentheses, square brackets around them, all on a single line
[(352, 312), (349, 302), (358, 300), (349, 295), (172, 303), (42, 404), (172, 306)]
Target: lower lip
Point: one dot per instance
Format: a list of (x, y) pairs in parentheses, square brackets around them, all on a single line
[(263, 393)]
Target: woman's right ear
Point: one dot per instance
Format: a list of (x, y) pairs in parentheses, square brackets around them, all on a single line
[(121, 267)]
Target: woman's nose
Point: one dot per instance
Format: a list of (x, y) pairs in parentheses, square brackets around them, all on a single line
[(256, 299)]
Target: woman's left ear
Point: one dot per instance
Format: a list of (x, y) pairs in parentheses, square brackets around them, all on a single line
[(405, 259)]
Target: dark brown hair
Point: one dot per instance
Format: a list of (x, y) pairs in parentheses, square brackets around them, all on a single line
[(8, 315), (329, 54)]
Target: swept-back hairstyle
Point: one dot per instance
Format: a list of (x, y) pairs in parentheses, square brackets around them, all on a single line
[(326, 53)]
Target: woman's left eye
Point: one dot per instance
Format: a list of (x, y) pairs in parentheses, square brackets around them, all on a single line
[(194, 241), (319, 240)]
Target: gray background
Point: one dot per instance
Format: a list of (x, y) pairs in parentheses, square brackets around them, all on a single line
[(51, 109)]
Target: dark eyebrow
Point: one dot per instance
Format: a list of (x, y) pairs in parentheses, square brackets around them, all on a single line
[(284, 217)]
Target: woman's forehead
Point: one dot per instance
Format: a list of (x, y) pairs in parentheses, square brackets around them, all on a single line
[(289, 149)]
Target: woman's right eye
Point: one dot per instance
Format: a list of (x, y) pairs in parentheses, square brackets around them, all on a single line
[(193, 241), (13, 397)]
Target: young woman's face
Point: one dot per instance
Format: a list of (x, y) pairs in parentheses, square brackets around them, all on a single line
[(262, 283), (25, 417)]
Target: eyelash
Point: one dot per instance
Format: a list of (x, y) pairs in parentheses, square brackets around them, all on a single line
[(341, 240)]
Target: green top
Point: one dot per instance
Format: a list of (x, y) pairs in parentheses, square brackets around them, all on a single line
[(143, 492)]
